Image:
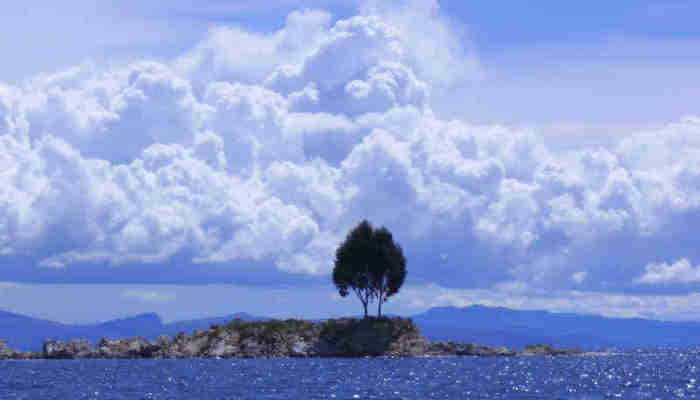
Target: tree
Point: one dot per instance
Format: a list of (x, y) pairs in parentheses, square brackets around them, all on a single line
[(390, 269), (369, 263)]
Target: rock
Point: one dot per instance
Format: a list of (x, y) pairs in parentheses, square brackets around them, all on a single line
[(545, 350), (250, 347), (466, 349), (344, 337), (408, 344), (224, 346), (26, 355), (79, 348), (163, 344), (196, 346), (163, 341), (301, 348), (184, 346), (136, 347), (349, 337), (224, 343), (488, 351), (6, 351)]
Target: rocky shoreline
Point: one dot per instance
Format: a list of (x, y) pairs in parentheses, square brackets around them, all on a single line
[(345, 337)]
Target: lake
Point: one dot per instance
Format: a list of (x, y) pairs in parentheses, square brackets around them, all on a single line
[(633, 375)]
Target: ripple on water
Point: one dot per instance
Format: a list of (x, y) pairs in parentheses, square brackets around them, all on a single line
[(649, 375)]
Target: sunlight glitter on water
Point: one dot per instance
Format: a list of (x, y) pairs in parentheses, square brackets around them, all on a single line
[(659, 375)]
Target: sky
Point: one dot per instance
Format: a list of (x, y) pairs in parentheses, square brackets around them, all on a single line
[(206, 159)]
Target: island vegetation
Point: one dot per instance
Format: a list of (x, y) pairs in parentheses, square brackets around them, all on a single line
[(343, 337), (369, 262)]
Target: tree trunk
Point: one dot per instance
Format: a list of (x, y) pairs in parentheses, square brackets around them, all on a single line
[(380, 298), (364, 304)]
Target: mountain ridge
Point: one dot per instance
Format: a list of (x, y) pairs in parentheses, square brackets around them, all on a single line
[(28, 333), (497, 326), (481, 324)]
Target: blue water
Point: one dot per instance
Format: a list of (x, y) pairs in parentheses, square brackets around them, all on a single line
[(659, 375)]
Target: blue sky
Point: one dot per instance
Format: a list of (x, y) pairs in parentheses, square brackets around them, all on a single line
[(204, 160)]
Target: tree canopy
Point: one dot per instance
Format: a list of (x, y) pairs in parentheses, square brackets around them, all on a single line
[(370, 264)]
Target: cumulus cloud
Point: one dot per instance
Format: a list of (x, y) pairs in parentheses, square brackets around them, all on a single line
[(232, 54), (257, 150), (681, 271), (439, 50)]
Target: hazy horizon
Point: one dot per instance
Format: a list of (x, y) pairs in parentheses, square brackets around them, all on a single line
[(337, 315)]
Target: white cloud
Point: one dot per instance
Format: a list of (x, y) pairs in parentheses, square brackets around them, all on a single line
[(258, 150), (681, 271), (388, 85), (351, 48), (579, 277), (439, 50), (234, 54)]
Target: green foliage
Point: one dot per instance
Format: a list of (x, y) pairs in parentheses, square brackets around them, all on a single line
[(369, 263), (541, 347), (369, 336), (270, 331)]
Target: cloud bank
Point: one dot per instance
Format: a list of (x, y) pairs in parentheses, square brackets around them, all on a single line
[(254, 151), (680, 271)]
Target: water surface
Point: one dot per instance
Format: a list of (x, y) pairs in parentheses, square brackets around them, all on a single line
[(650, 375)]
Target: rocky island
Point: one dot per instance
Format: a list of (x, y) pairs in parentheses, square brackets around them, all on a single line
[(344, 337)]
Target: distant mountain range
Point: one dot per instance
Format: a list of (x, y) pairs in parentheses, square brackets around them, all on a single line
[(478, 324), (518, 328), (27, 333)]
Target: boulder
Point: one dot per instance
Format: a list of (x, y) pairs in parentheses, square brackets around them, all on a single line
[(301, 349), (78, 348), (221, 348), (251, 348), (224, 343), (196, 345), (164, 341), (466, 349), (136, 347)]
